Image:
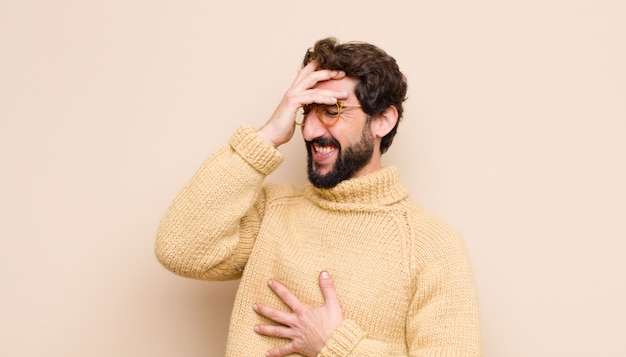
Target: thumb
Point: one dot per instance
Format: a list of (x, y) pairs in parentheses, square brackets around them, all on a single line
[(328, 289)]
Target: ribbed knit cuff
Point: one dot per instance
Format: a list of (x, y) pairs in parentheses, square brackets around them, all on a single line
[(343, 340), (259, 154)]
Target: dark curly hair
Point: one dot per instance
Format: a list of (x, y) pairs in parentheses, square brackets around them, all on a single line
[(380, 82)]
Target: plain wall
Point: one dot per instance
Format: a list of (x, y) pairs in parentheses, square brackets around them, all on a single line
[(513, 133)]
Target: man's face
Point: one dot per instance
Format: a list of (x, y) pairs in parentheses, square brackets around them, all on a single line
[(349, 161), (342, 151)]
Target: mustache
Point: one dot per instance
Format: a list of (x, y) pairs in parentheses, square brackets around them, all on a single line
[(323, 142)]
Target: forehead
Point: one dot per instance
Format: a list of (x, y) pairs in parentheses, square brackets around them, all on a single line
[(346, 84)]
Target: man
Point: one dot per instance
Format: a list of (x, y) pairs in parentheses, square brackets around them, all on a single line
[(346, 266)]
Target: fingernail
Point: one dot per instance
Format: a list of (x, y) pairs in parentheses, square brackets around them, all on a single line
[(325, 275), (254, 307), (256, 328), (269, 282)]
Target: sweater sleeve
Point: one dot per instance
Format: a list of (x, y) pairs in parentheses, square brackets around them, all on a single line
[(442, 320), (209, 229), (443, 315)]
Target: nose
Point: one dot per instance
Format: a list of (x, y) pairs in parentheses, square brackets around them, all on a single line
[(313, 127)]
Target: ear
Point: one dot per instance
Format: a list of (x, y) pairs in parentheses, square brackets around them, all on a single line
[(385, 122)]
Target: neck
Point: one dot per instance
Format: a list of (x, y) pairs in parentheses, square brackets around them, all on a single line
[(372, 166)]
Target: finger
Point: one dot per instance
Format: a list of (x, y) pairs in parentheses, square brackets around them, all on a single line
[(285, 295), (328, 289), (281, 351), (274, 331), (325, 74), (321, 96), (305, 71), (296, 100), (282, 317), (321, 75)]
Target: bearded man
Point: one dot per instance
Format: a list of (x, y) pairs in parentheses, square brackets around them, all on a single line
[(345, 266)]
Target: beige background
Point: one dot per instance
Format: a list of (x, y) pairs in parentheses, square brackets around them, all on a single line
[(514, 133)]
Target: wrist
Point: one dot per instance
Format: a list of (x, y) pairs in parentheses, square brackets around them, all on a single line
[(343, 340), (265, 133), (254, 150)]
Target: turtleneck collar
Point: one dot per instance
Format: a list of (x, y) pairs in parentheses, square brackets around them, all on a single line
[(382, 187)]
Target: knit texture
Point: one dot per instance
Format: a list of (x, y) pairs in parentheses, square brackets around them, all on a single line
[(402, 275)]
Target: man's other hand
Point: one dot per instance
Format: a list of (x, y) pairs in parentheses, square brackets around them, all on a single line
[(307, 328)]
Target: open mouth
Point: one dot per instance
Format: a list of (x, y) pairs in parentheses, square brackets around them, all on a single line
[(323, 149), (323, 154)]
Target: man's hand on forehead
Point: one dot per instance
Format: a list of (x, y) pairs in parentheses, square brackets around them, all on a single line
[(280, 127)]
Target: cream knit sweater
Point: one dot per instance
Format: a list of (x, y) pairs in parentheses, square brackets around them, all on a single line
[(402, 276)]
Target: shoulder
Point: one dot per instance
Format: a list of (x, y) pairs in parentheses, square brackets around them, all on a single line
[(431, 238), (429, 225), (279, 193)]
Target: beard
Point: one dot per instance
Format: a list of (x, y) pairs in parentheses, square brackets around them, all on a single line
[(349, 160)]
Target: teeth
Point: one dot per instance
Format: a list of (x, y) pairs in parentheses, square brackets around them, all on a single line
[(323, 149)]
